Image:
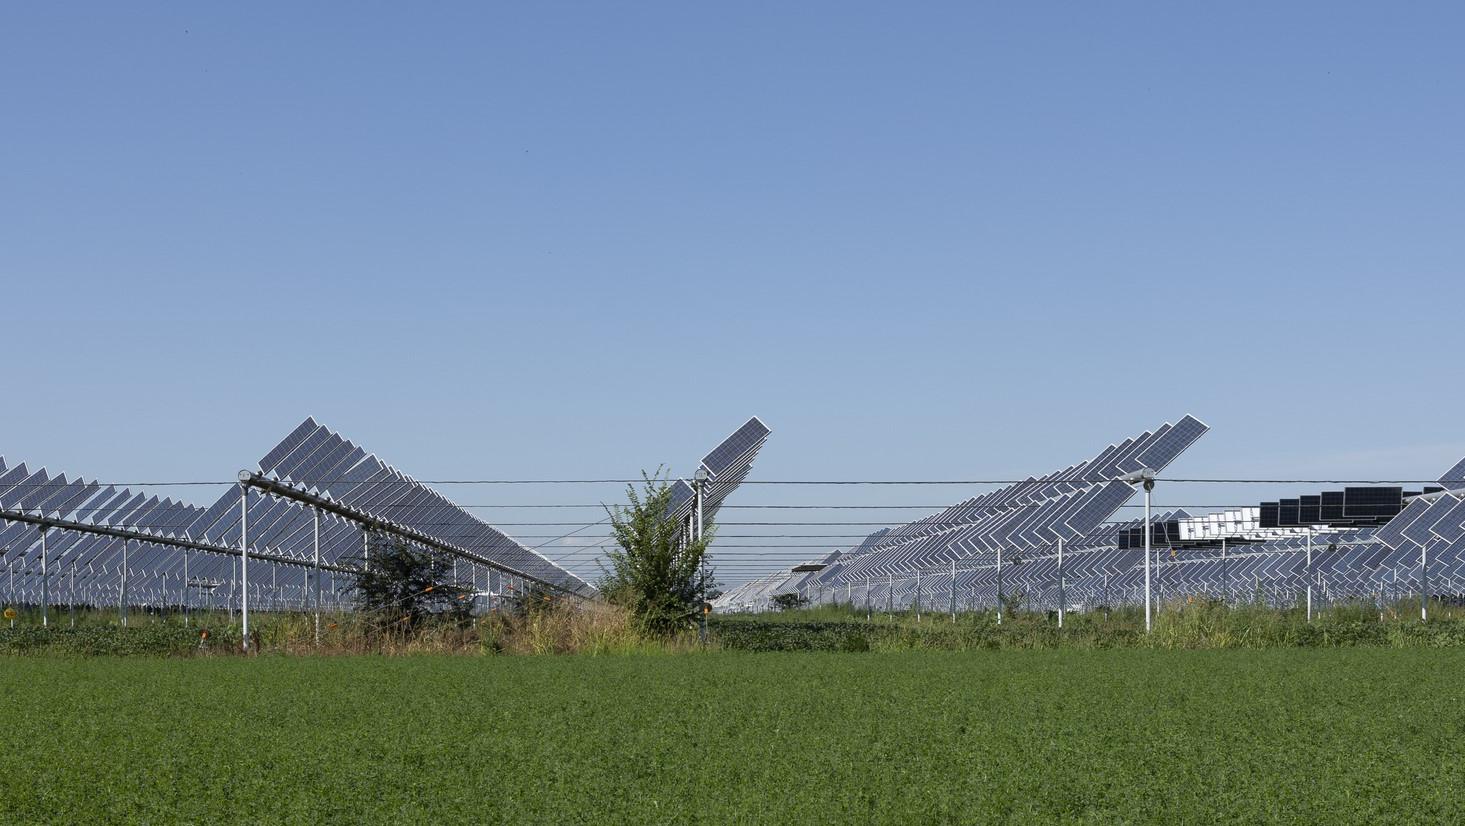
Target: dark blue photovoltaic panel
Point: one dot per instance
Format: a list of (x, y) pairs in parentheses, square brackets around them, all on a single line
[(1451, 528), (1392, 534), (1172, 443), (1109, 499), (271, 459), (1454, 478), (1418, 531), (746, 438)]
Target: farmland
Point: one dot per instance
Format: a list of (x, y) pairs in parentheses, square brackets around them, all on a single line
[(1318, 735)]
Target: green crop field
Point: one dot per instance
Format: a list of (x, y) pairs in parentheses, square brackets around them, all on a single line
[(1364, 735)]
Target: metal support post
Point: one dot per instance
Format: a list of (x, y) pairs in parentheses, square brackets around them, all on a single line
[(1062, 597), (315, 579), (244, 560), (1225, 576), (953, 590), (45, 580), (918, 595), (1423, 582), (1149, 486), (122, 592), (699, 480), (890, 596), (999, 585), (1309, 575)]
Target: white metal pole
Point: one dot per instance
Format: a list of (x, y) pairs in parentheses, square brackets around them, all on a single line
[(1423, 582), (244, 560), (918, 595), (1225, 576), (45, 580), (953, 590), (316, 514), (122, 593), (702, 561), (1309, 575), (187, 600), (999, 585), (1148, 486), (1061, 595)]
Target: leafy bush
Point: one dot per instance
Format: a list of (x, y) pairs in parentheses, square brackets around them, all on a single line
[(655, 571)]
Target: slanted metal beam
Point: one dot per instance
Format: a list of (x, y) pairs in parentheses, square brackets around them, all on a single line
[(372, 522)]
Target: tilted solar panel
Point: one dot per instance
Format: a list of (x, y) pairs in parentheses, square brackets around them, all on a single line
[(1454, 478)]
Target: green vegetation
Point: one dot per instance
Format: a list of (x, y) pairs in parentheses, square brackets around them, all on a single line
[(405, 588), (1322, 736), (1200, 624), (789, 602), (539, 623), (652, 572)]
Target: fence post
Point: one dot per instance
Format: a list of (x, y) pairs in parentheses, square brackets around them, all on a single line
[(953, 590), (918, 595), (1062, 595)]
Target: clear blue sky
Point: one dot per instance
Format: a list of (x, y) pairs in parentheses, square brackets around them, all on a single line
[(540, 240)]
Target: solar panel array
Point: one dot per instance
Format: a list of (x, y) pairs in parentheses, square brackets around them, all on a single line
[(87, 568), (1035, 513), (1365, 543), (84, 567), (315, 459)]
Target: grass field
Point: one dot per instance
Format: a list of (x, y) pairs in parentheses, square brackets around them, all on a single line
[(1366, 735)]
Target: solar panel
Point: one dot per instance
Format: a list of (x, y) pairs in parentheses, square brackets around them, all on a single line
[(728, 465), (1172, 443), (1454, 478), (745, 439)]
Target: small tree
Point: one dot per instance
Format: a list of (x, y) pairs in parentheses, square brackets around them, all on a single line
[(406, 585), (655, 571)]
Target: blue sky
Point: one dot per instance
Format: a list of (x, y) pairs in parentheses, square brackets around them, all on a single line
[(547, 240)]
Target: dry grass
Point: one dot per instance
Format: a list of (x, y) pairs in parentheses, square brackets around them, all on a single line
[(594, 628), (561, 628)]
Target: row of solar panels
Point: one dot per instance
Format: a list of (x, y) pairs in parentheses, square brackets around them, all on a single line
[(284, 535), (88, 567), (1425, 542), (1066, 505), (1377, 542)]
